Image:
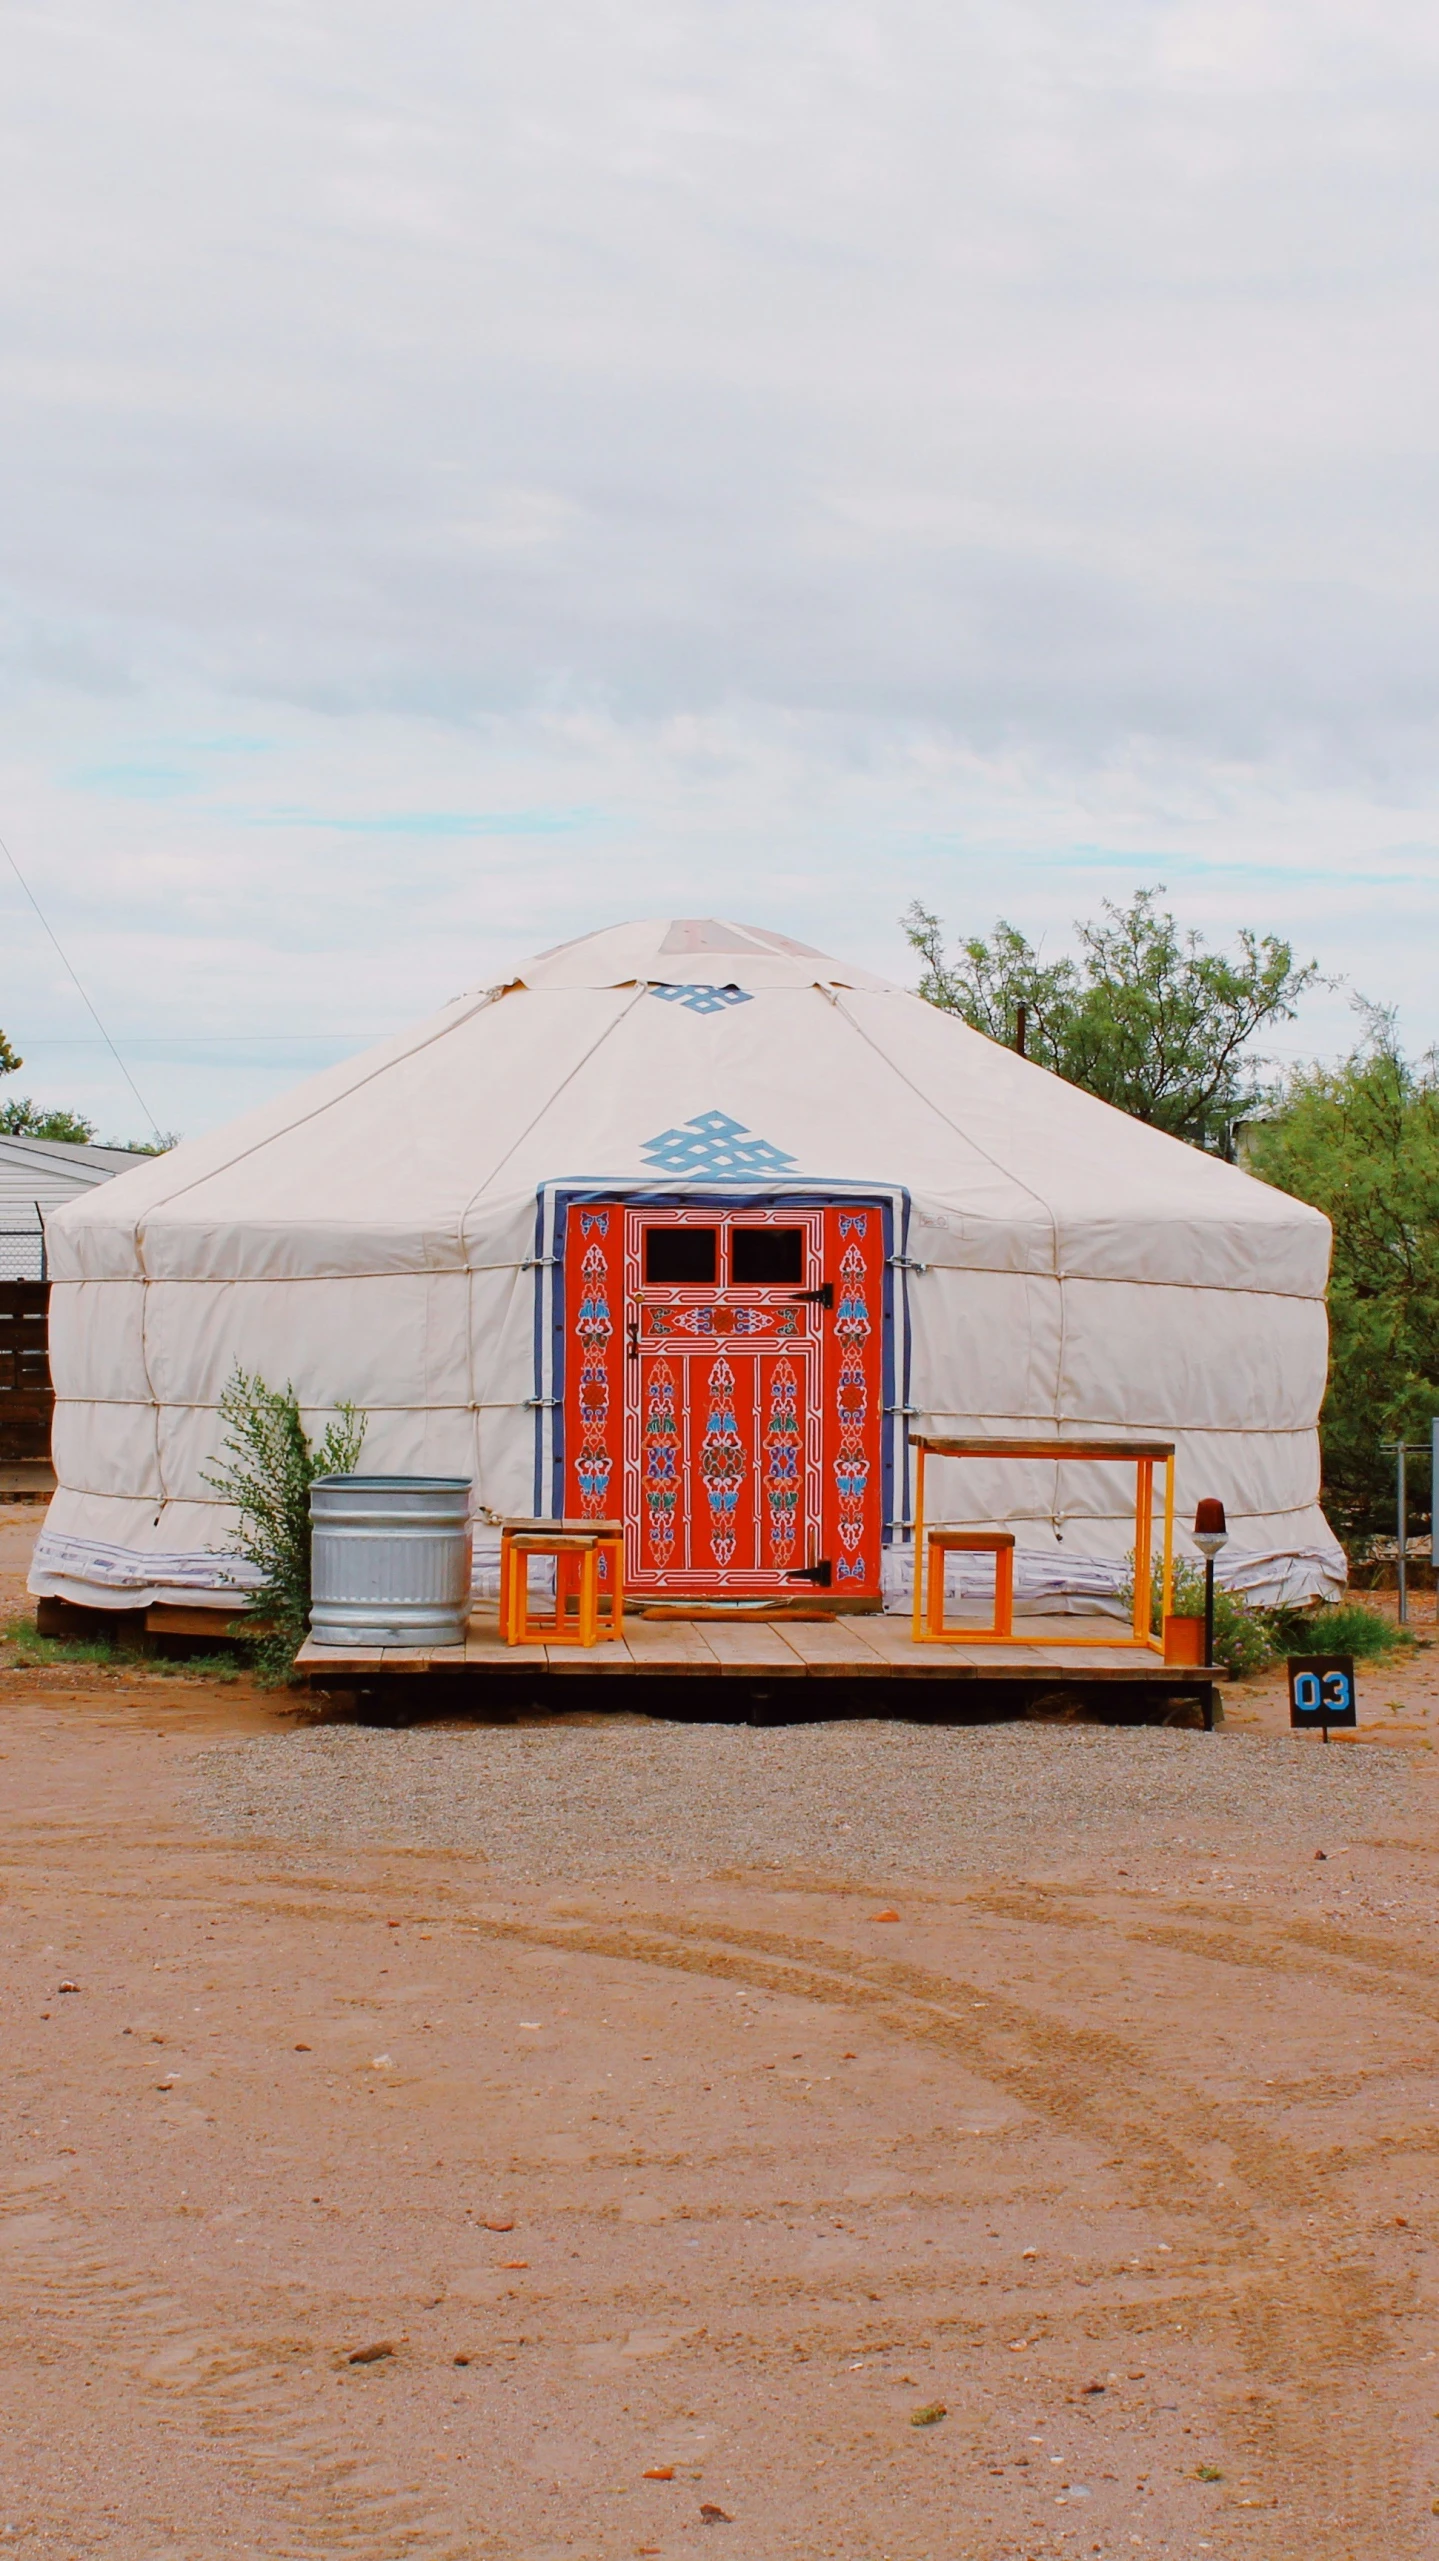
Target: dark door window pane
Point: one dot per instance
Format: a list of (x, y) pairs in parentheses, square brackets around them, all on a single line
[(685, 1255), (767, 1257)]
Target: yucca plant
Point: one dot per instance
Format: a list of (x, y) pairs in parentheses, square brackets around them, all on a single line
[(271, 1467)]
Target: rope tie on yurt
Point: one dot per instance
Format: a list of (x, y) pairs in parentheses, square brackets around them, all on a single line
[(317, 1111), (551, 1098), (1009, 1174)]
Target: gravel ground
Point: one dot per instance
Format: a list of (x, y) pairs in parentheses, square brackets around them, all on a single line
[(620, 1798)]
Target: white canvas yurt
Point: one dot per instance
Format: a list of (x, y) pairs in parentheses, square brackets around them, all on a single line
[(688, 1224)]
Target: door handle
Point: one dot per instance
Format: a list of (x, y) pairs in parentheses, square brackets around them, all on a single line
[(821, 1297)]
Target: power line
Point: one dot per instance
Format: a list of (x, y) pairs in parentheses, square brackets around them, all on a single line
[(155, 1131), (207, 1040)]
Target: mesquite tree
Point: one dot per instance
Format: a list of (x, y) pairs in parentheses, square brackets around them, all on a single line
[(1146, 1017)]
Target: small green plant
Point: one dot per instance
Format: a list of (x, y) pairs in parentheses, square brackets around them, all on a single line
[(930, 2415), (194, 1667), (32, 1651), (1244, 1637), (1207, 2472), (1340, 1627), (271, 1467)]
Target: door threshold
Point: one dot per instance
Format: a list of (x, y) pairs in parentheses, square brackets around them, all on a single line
[(638, 1606), (732, 1610)]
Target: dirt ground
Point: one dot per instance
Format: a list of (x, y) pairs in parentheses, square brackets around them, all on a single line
[(675, 2209)]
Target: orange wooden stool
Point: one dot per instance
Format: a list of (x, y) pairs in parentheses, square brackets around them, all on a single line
[(577, 1549), (534, 1527), (998, 1543)]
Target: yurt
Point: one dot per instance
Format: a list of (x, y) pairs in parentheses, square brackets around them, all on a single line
[(689, 1224)]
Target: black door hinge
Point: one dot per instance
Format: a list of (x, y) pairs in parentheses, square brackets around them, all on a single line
[(821, 1297), (822, 1573)]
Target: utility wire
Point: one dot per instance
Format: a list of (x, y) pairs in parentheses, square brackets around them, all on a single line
[(155, 1130), (207, 1040)]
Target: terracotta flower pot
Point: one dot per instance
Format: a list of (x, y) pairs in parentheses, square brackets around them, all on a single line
[(1183, 1640)]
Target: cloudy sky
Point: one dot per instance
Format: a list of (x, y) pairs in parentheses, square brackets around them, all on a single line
[(469, 474)]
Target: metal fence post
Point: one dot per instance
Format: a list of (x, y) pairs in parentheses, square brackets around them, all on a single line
[(1401, 1500)]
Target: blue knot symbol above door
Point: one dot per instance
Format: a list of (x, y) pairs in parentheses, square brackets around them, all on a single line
[(712, 1143)]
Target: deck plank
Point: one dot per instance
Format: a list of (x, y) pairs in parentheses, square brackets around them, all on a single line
[(486, 1650), (669, 1645), (829, 1648), (612, 1655), (888, 1639), (891, 1640), (340, 1658), (753, 1645)]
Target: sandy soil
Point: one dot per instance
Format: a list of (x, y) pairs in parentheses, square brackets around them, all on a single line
[(667, 2198)]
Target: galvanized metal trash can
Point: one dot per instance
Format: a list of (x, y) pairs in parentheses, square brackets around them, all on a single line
[(389, 1560)]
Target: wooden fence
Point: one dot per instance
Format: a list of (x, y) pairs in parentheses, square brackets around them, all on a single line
[(27, 1399)]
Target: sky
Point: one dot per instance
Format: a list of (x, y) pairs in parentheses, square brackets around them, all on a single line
[(472, 474)]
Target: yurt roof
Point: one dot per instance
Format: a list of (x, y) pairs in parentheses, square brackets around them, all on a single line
[(708, 949), (688, 1054)]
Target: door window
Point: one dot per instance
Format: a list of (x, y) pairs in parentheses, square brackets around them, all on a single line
[(766, 1257), (682, 1257)]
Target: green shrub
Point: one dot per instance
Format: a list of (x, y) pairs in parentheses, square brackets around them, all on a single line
[(1248, 1639), (1340, 1627), (272, 1466)]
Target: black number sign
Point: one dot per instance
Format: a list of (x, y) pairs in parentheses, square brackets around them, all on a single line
[(1321, 1690)]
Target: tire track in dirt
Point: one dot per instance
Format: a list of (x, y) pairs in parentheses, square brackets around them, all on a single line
[(319, 2492), (1296, 2317), (1360, 1960)]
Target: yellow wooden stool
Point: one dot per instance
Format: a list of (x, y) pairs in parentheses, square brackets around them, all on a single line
[(998, 1543), (577, 1548)]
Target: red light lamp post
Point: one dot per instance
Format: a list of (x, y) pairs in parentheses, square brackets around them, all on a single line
[(1211, 1532)]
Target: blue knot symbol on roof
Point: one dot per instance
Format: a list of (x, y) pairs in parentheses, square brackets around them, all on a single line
[(701, 1000), (712, 1143)]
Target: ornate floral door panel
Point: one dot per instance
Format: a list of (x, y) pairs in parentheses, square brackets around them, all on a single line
[(852, 1535), (723, 1391), (594, 1409), (723, 1469)]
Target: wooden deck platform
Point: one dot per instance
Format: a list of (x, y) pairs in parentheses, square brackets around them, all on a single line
[(850, 1648)]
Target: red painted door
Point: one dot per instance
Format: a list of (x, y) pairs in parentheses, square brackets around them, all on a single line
[(723, 1392)]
